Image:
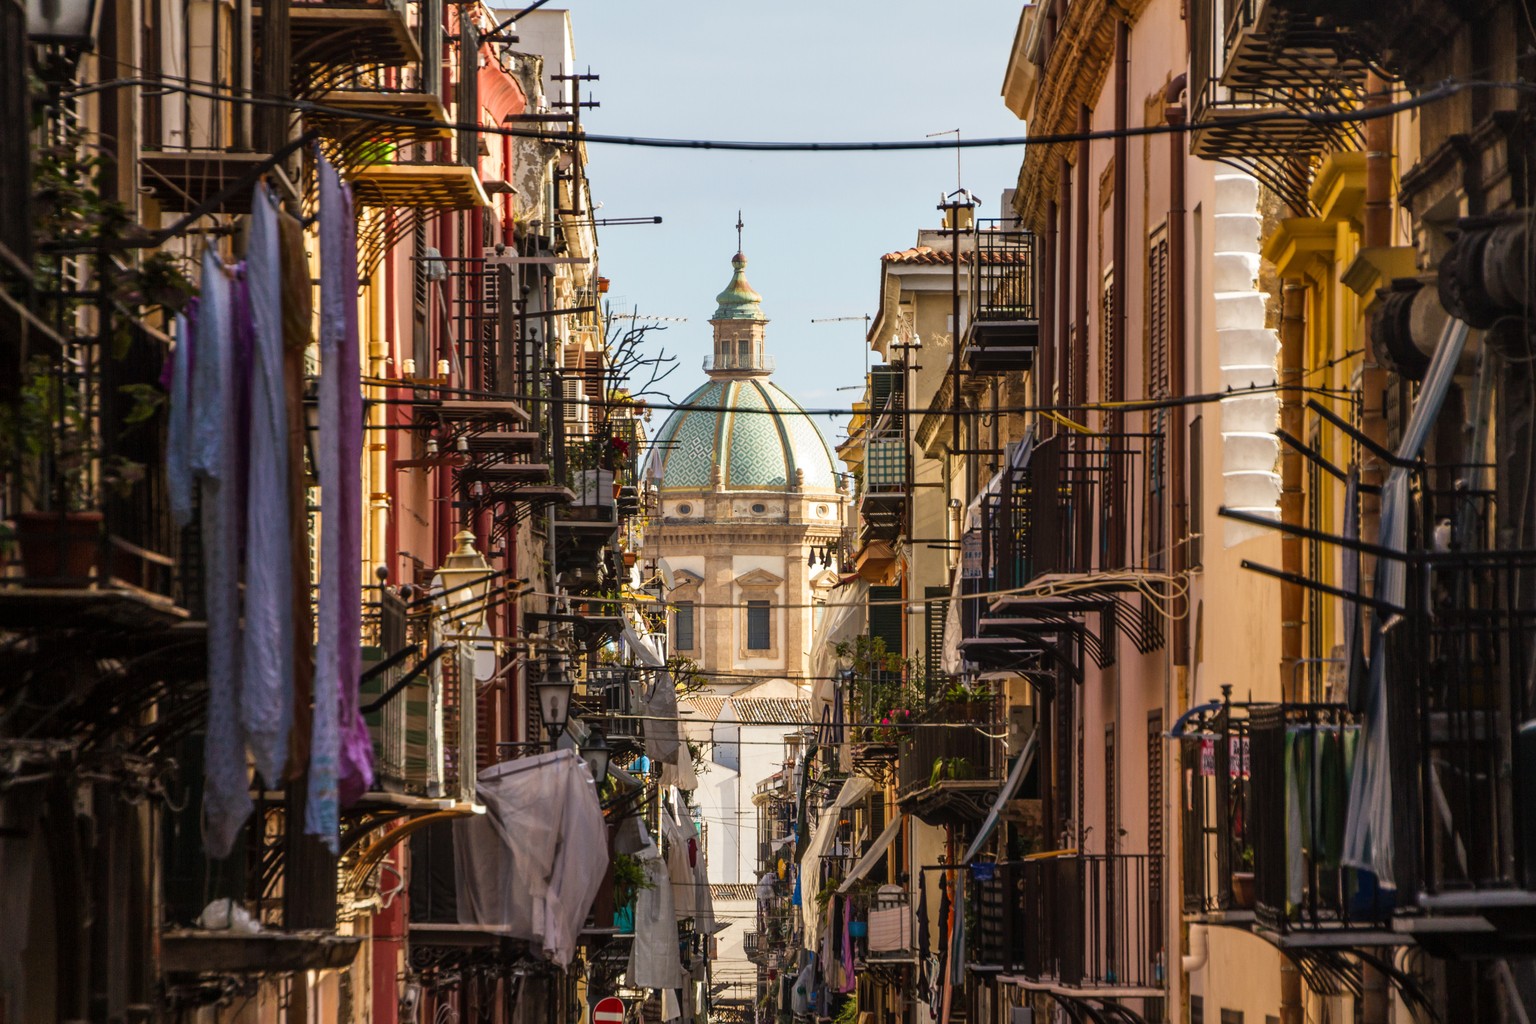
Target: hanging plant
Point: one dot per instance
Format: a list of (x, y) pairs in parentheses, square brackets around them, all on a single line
[(629, 878)]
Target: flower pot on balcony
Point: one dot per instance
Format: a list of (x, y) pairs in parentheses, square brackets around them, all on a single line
[(58, 547), (1242, 890)]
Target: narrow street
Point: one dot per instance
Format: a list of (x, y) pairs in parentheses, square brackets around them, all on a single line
[(878, 513)]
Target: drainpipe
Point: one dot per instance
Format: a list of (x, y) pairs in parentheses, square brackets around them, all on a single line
[(1293, 328), (1199, 950), (1045, 370), (1173, 113), (1374, 1005), (1121, 256), (1065, 357), (1080, 354)]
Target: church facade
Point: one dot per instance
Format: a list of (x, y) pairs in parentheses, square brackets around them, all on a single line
[(749, 514)]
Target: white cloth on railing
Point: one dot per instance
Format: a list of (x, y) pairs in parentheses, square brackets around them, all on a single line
[(1368, 829), (654, 959), (890, 921), (532, 864)]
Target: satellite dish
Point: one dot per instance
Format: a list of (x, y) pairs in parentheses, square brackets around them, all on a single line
[(667, 579), (485, 654)]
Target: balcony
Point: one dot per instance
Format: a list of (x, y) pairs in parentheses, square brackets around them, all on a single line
[(1218, 844), (739, 363), (1004, 329), (1266, 59), (352, 31), (1465, 652), (1299, 761), (198, 148), (948, 768), (1085, 925), (883, 499), (420, 710), (1068, 509)]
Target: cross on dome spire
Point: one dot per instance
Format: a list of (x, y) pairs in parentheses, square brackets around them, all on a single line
[(738, 232)]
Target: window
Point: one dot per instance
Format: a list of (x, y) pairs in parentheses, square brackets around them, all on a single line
[(684, 509), (758, 593), (1196, 1010), (759, 508), (757, 626), (682, 626), (1231, 1017)]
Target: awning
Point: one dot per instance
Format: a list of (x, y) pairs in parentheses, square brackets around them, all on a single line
[(853, 791), (1010, 787), (872, 855)]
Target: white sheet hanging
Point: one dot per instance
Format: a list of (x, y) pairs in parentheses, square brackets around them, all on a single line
[(532, 865), (852, 792), (1368, 828), (654, 960), (871, 856)]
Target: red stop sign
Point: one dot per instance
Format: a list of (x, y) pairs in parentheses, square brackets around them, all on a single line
[(608, 1011)]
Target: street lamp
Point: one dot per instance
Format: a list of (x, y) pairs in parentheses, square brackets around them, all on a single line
[(69, 23), (466, 577), (596, 753), (554, 690)]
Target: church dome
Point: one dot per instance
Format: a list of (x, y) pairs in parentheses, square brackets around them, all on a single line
[(740, 423), (752, 430)]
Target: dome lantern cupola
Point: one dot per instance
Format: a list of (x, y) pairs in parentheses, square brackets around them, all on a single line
[(739, 325)]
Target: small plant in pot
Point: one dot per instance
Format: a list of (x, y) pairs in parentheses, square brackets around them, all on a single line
[(1242, 879), (55, 462)]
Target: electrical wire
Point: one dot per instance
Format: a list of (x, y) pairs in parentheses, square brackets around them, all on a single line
[(1445, 90)]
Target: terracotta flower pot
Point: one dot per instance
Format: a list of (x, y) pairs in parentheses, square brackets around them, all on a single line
[(58, 548), (1242, 890)]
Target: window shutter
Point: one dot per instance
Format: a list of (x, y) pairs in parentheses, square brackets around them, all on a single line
[(935, 611), (885, 615)]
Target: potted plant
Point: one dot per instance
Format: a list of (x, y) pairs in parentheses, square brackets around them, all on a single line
[(628, 880), (1242, 879), (47, 439)]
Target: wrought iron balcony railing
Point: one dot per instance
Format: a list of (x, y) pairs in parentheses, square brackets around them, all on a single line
[(1004, 328), (1089, 921), (1299, 759), (1271, 57), (1073, 507), (422, 710), (1218, 861), (948, 743)]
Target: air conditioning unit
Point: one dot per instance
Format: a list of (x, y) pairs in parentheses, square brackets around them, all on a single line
[(578, 415)]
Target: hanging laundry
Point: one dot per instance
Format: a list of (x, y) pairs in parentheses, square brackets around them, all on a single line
[(653, 958), (298, 311), (266, 710), (335, 760), (177, 381), (212, 457)]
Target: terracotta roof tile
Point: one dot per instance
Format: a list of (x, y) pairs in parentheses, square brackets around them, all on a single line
[(772, 710), (928, 255)]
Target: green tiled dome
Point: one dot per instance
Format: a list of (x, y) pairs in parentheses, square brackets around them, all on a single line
[(758, 443)]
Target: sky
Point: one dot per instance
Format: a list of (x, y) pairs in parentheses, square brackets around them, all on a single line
[(816, 223)]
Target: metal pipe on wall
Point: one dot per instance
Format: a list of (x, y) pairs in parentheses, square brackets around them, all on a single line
[(1080, 268), (1173, 113)]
